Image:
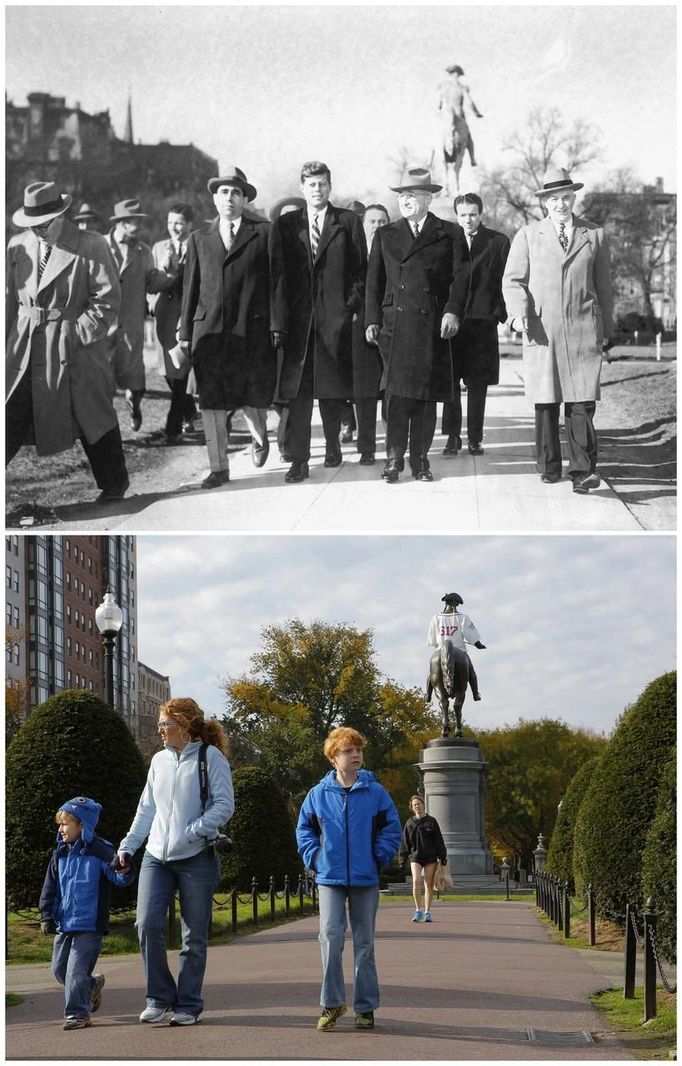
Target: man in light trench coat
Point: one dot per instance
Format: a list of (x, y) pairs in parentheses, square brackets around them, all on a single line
[(62, 301), (557, 290)]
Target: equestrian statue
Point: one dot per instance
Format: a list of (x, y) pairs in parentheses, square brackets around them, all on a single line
[(457, 139), (450, 668)]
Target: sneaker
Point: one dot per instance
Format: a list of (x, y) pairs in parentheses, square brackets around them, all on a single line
[(427, 916), (96, 993), (181, 1017), (77, 1023), (417, 916), (365, 1020), (329, 1017), (156, 1014)]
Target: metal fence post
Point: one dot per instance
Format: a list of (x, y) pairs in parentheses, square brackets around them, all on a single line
[(591, 917), (272, 897), (630, 953), (254, 900), (287, 895), (567, 912), (233, 900), (649, 960), (300, 892)]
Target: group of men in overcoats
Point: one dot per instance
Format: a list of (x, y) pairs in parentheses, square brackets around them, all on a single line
[(288, 311)]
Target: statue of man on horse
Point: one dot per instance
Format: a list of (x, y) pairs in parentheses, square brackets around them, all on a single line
[(457, 140), (450, 668)]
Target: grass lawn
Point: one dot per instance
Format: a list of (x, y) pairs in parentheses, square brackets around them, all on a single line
[(655, 1038), (12, 999)]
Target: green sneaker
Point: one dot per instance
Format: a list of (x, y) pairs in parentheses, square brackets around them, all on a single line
[(365, 1020), (329, 1017)]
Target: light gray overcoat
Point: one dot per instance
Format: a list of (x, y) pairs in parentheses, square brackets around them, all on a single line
[(568, 301)]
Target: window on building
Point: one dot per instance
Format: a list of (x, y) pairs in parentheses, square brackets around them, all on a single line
[(42, 629), (68, 645), (41, 558), (68, 679), (8, 576), (43, 693), (67, 547), (9, 614), (68, 580), (16, 581), (42, 594), (17, 654), (58, 636), (8, 655), (77, 680), (59, 673), (16, 617), (42, 664), (68, 613), (58, 570)]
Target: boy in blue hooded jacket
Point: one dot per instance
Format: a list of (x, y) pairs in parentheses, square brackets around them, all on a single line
[(347, 829), (74, 904)]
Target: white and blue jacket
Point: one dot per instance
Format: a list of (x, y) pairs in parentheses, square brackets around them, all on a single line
[(346, 836)]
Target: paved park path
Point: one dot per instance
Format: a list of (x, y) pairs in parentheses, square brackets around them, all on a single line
[(467, 987)]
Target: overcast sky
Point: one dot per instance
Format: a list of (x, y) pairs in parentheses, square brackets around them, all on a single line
[(575, 627), (269, 86)]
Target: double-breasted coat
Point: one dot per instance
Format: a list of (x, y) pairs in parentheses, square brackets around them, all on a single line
[(226, 316), (137, 276), (60, 325), (411, 283), (475, 348), (167, 305), (313, 302), (567, 299)]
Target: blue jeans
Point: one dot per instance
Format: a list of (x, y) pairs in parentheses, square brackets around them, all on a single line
[(73, 959), (363, 904), (196, 879)]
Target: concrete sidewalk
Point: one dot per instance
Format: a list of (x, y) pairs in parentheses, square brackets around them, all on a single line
[(471, 986), (499, 491)]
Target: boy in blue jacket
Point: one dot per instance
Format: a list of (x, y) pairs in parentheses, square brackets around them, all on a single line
[(347, 829), (74, 904)]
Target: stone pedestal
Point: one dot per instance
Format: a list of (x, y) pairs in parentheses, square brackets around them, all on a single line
[(454, 775)]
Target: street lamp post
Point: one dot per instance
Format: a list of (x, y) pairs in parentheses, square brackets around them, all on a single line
[(109, 619)]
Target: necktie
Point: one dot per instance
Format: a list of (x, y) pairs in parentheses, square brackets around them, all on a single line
[(45, 253), (563, 239), (315, 238), (230, 235), (415, 227)]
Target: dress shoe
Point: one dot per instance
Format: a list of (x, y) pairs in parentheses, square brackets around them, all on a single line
[(298, 471), (333, 458), (367, 459), (260, 452), (215, 478), (391, 471), (116, 492), (582, 483), (474, 448), (452, 445), (422, 471), (550, 479), (188, 425)]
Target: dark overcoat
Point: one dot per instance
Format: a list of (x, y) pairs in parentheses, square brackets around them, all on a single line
[(314, 302), (410, 285), (367, 364), (225, 316), (167, 306), (475, 349)]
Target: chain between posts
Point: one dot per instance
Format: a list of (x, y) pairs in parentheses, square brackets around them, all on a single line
[(633, 922), (654, 947)]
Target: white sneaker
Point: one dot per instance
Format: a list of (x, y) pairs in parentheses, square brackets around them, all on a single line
[(180, 1017), (156, 1014)]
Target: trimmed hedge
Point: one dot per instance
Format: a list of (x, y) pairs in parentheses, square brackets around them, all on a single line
[(560, 853), (620, 802), (263, 834), (71, 745), (659, 861)]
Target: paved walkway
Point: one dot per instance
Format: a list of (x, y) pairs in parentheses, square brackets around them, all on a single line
[(468, 987), (499, 491)]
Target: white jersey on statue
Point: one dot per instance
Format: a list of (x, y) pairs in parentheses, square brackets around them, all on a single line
[(452, 626)]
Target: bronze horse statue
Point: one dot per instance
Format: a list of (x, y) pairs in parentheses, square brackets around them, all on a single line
[(448, 678), (456, 141)]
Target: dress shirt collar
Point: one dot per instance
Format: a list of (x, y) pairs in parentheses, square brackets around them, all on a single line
[(223, 226)]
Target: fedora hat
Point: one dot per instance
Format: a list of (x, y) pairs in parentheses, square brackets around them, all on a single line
[(356, 206), (85, 213), (295, 203), (127, 209), (417, 178), (42, 202), (557, 179), (232, 176)]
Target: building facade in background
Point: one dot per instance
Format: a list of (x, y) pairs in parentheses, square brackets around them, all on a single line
[(153, 690)]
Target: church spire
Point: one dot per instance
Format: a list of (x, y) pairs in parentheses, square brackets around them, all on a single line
[(128, 135)]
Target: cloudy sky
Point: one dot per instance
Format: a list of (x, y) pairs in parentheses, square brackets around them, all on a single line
[(576, 627), (269, 86)]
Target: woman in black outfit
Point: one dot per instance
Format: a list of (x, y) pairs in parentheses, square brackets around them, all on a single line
[(423, 844)]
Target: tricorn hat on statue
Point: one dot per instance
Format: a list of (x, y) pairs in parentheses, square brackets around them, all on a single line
[(557, 179), (232, 176), (452, 597), (456, 69), (42, 202), (127, 209), (417, 178), (85, 213)]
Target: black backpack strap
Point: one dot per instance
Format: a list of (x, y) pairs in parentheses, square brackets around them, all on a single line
[(203, 776)]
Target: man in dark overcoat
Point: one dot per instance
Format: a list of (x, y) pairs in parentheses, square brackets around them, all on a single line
[(319, 262), (481, 254), (225, 318), (411, 314)]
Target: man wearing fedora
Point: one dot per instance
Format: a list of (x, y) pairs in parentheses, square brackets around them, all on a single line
[(557, 289), (319, 262), (410, 313), (225, 321), (138, 276), (63, 298), (86, 218), (451, 624)]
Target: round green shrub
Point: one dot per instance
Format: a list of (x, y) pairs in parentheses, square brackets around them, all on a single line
[(659, 861), (560, 853), (262, 832), (71, 745), (620, 802)]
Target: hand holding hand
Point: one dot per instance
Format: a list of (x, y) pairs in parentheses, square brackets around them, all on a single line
[(48, 927)]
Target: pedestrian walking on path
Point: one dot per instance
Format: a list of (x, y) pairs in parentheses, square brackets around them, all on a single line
[(424, 846), (361, 834), (179, 856)]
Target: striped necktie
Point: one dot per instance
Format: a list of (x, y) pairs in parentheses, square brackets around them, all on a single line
[(415, 227), (315, 238), (45, 253), (563, 239), (230, 235)]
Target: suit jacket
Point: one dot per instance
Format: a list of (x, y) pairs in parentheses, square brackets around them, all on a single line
[(313, 302), (475, 348), (568, 301), (410, 285), (226, 316), (167, 305), (137, 276)]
